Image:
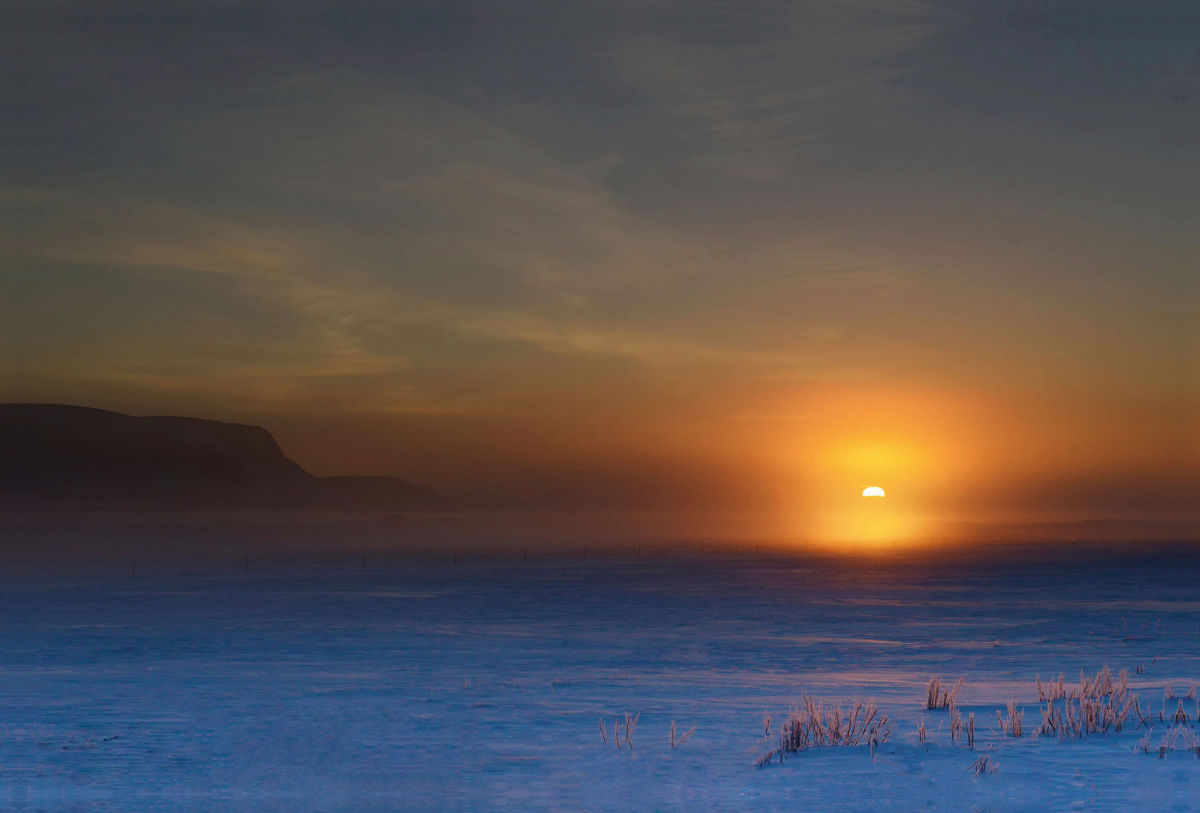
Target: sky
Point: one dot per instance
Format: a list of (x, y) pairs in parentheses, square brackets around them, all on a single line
[(649, 253)]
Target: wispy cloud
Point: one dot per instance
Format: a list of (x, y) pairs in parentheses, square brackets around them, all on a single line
[(465, 208)]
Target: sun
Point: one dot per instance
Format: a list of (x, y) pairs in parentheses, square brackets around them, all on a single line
[(873, 491)]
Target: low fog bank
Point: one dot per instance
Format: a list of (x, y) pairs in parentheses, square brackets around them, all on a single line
[(114, 539)]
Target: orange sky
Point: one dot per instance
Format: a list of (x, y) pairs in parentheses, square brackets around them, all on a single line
[(750, 257)]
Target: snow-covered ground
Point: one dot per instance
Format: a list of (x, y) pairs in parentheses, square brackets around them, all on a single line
[(315, 684)]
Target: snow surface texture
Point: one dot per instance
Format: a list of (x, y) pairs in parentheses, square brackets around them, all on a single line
[(317, 684)]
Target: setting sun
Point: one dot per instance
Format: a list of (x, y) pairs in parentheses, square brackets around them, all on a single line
[(406, 358)]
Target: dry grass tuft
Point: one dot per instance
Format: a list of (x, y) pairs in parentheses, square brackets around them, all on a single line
[(938, 696), (630, 726), (1098, 704), (1101, 685), (984, 766), (813, 724), (631, 722), (1013, 726), (677, 740), (1052, 723), (1055, 690), (1178, 735)]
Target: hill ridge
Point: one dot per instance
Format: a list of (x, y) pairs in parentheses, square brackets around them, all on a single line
[(70, 454)]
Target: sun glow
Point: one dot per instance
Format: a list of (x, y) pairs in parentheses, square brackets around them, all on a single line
[(854, 440)]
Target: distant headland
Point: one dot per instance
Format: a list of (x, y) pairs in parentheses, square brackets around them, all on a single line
[(58, 454)]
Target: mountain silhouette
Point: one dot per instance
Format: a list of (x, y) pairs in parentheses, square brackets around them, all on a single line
[(61, 454)]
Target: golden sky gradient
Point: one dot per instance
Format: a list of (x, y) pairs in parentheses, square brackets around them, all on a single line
[(754, 256)]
